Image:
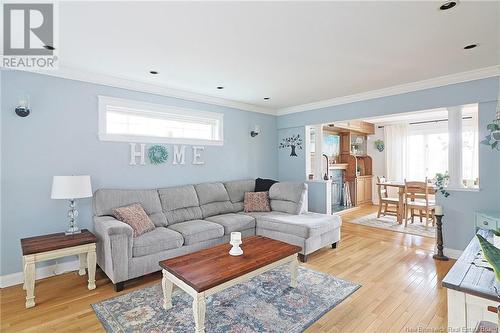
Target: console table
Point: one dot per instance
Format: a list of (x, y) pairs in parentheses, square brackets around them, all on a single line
[(47, 247), (472, 296)]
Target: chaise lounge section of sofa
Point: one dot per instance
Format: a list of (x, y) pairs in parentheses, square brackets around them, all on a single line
[(193, 217)]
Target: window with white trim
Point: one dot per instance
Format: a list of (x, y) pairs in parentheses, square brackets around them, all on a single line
[(128, 120)]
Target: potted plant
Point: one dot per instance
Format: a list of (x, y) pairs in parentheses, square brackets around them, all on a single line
[(441, 180), (358, 171), (492, 255), (496, 238)]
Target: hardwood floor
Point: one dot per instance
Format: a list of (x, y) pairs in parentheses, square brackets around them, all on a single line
[(401, 288)]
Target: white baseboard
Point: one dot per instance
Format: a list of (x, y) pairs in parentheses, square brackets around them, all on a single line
[(41, 273), (452, 253)]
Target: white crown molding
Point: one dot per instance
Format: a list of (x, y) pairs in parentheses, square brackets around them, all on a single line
[(125, 83), (41, 273), (396, 90)]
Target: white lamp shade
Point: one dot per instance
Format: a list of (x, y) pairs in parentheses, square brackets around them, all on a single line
[(71, 187)]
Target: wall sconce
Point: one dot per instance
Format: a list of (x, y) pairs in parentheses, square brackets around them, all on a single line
[(255, 131), (23, 110)]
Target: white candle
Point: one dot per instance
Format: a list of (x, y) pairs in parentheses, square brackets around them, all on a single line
[(235, 236), (438, 210)]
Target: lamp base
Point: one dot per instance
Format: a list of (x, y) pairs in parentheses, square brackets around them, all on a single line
[(72, 231), (72, 214)]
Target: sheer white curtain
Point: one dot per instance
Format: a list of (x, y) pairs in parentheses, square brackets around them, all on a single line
[(396, 150), (470, 167)]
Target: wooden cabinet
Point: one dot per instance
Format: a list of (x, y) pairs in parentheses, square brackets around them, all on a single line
[(363, 189)]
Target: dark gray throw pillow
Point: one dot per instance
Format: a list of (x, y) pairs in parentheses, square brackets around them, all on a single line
[(263, 185)]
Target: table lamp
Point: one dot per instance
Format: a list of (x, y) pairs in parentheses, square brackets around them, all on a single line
[(71, 188)]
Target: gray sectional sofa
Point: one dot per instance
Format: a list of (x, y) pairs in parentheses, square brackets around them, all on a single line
[(193, 217)]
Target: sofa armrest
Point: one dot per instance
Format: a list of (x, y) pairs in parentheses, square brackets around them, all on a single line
[(114, 246)]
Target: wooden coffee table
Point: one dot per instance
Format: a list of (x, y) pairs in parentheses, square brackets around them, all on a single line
[(206, 272)]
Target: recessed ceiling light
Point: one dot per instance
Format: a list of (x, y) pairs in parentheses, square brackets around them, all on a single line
[(220, 87), (153, 72), (448, 5), (49, 47), (266, 98), (470, 46)]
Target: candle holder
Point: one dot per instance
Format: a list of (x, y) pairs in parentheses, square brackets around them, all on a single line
[(439, 239), (235, 242), (236, 249)]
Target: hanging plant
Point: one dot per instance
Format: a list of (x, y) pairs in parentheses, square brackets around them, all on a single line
[(489, 140), (493, 139), (441, 180), (380, 145), (157, 154)]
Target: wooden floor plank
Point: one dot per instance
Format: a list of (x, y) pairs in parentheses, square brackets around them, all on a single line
[(401, 288)]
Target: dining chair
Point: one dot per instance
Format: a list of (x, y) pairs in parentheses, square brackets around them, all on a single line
[(418, 199), (384, 201)]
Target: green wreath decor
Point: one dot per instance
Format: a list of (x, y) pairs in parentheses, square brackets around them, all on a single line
[(157, 154)]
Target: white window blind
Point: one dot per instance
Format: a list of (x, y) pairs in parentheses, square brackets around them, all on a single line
[(127, 120)]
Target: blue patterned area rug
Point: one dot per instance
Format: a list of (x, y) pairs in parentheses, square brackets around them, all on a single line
[(265, 303)]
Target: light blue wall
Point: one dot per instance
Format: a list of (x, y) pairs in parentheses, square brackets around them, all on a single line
[(292, 167), (60, 138), (460, 206)]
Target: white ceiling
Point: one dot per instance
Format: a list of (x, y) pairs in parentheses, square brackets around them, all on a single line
[(293, 52)]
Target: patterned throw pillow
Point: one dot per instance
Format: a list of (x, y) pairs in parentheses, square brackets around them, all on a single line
[(256, 202), (135, 216)]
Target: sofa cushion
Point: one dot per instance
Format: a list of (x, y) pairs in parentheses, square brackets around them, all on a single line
[(289, 197), (304, 225), (236, 190), (233, 222), (214, 199), (135, 216), (263, 185), (180, 204), (256, 202), (105, 200), (198, 231), (160, 239)]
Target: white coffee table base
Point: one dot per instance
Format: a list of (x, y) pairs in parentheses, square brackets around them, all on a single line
[(169, 280)]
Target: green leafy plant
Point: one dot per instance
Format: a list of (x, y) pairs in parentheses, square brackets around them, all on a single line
[(497, 232), (488, 140), (492, 255), (380, 145), (441, 180)]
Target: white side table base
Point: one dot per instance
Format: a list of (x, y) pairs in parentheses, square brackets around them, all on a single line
[(85, 253)]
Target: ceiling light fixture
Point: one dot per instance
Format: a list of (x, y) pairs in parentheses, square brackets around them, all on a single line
[(153, 72), (49, 47), (448, 5), (220, 87), (470, 46)]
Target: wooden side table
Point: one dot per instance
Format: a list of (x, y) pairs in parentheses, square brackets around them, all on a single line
[(47, 247)]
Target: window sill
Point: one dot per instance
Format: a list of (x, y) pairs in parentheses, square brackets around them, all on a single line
[(151, 139), (462, 189)]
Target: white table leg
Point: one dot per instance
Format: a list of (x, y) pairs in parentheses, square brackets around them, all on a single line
[(29, 278), (167, 286), (24, 274), (294, 271), (83, 263), (91, 262), (199, 312)]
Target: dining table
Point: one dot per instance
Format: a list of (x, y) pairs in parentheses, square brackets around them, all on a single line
[(401, 196)]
